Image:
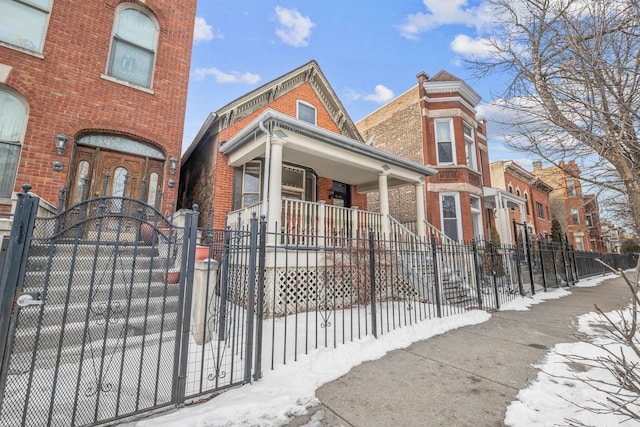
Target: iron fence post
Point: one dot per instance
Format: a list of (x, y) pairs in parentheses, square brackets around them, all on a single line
[(372, 283), (251, 294), (13, 273), (517, 249), (476, 265), (183, 325), (528, 246), (542, 267), (260, 300), (224, 282), (565, 255), (436, 284), (493, 274)]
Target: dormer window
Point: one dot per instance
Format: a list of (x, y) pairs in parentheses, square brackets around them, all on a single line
[(306, 112)]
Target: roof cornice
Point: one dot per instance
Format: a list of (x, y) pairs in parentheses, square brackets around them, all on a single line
[(459, 86)]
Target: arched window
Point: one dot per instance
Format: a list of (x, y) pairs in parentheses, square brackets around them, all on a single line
[(526, 203), (13, 122), (133, 45)]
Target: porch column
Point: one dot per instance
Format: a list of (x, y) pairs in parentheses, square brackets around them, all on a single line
[(420, 214), (384, 202), (274, 211)]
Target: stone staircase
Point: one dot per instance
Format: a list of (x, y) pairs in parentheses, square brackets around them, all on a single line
[(99, 300)]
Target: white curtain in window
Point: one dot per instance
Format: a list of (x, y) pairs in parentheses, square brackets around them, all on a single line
[(133, 48), (22, 25)]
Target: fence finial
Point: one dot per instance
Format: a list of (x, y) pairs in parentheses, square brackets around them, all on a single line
[(26, 187)]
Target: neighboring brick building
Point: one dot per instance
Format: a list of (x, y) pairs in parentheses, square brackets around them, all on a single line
[(508, 175), (566, 200), (110, 77), (435, 123), (592, 220), (318, 164)]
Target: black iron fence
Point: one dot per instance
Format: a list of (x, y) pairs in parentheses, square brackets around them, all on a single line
[(324, 292)]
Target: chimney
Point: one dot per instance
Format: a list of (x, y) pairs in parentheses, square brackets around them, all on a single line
[(537, 165)]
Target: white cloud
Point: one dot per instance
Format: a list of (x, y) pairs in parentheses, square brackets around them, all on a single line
[(203, 31), (293, 29), (441, 12), (380, 95), (478, 47), (222, 77)]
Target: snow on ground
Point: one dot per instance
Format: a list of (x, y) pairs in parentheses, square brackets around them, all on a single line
[(290, 389), (560, 393)]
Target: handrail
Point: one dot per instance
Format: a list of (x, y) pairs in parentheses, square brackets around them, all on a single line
[(240, 217), (434, 230)]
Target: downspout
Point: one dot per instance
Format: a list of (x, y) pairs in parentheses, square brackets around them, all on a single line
[(267, 161)]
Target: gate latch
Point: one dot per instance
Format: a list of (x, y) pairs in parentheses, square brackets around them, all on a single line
[(29, 298)]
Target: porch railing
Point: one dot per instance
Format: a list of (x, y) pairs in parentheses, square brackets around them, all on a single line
[(239, 218), (321, 224)]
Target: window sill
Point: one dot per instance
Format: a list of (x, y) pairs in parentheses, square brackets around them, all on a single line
[(127, 84), (22, 50)]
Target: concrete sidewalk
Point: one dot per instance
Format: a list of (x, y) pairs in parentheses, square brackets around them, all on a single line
[(465, 377)]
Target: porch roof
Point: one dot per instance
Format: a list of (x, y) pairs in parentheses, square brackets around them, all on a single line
[(330, 154), (497, 198)]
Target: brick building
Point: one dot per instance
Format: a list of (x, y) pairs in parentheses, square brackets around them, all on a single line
[(534, 212), (289, 151), (566, 201), (435, 123), (107, 81), (592, 220)]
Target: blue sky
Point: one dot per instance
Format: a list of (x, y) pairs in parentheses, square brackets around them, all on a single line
[(370, 51)]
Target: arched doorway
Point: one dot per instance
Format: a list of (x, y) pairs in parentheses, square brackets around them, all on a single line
[(102, 164)]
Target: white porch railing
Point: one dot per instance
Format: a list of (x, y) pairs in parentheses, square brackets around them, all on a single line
[(240, 217), (319, 224)]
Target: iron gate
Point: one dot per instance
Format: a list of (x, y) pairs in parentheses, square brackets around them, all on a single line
[(91, 327)]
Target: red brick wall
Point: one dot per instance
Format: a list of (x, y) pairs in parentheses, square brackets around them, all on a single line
[(65, 92)]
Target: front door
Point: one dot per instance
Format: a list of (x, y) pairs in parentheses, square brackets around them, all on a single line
[(341, 194), (100, 172)]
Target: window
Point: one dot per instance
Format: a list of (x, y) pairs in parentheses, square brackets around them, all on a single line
[(449, 213), (571, 188), (23, 23), (293, 182), (444, 143), (133, 46), (13, 121), (251, 184), (510, 188), (579, 243), (539, 210), (470, 147), (575, 216), (588, 219), (526, 204), (306, 112), (476, 218)]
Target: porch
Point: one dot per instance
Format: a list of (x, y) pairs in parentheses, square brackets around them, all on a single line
[(276, 145)]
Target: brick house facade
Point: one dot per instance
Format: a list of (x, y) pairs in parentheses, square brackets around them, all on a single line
[(534, 212), (111, 78), (287, 143), (435, 123), (566, 200)]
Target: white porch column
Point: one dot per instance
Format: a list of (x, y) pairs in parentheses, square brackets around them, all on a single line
[(274, 211), (354, 222), (384, 202), (420, 214)]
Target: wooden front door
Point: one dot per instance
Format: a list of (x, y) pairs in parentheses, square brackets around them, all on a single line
[(100, 172)]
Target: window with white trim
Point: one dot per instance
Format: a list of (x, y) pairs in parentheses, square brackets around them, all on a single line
[(133, 45), (539, 210), (571, 187), (13, 122), (307, 112), (470, 146), (526, 203), (476, 217), (575, 216), (450, 214), (445, 148), (251, 183), (23, 23)]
